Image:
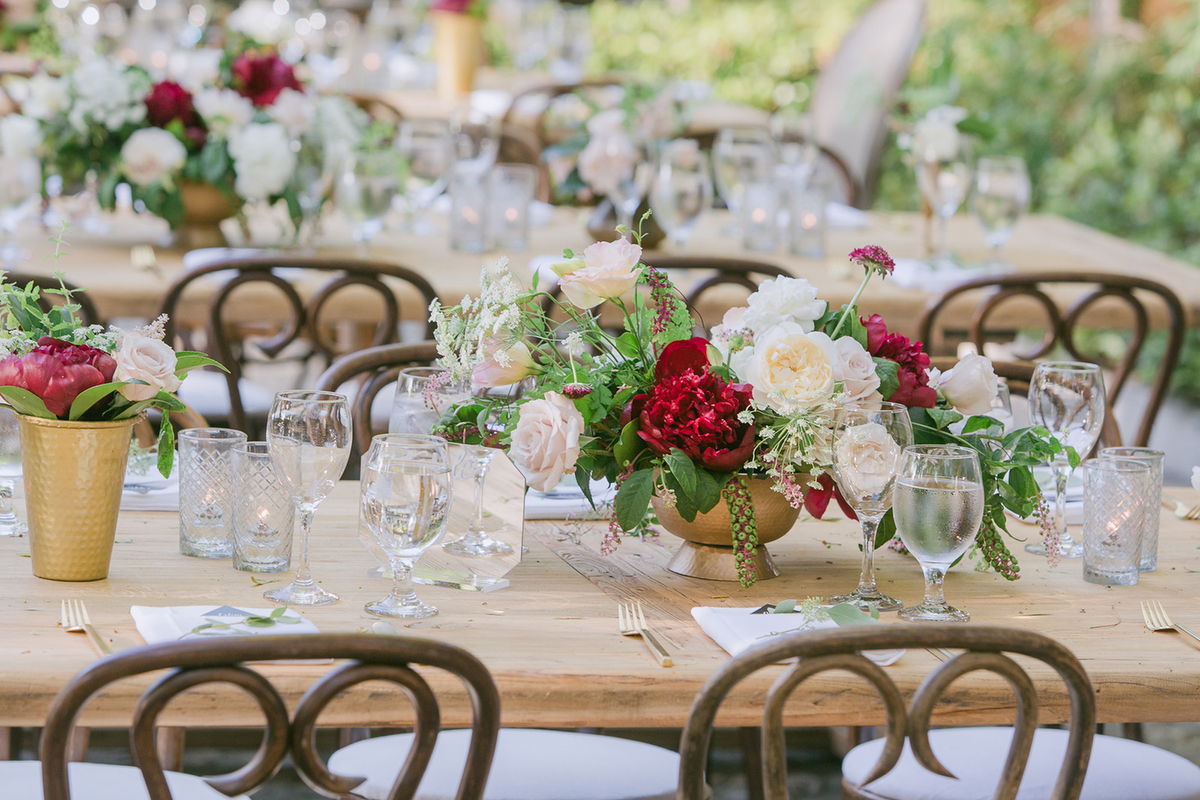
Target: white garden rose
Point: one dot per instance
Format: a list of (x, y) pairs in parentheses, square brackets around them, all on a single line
[(789, 368), (971, 385), (608, 159), (262, 160), (607, 270), (855, 370), (545, 442), (145, 358), (606, 122), (936, 136), (151, 154), (47, 96), (258, 20), (223, 110), (867, 459), (780, 300), (107, 93), (294, 111), (20, 136)]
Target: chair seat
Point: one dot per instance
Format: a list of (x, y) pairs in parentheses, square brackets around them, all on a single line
[(207, 393), (22, 780), (1120, 769), (529, 765)]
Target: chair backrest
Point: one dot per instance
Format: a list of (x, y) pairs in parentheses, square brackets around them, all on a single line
[(840, 649), (223, 660), (301, 317), (87, 313), (378, 366), (513, 117), (854, 93), (1063, 326)]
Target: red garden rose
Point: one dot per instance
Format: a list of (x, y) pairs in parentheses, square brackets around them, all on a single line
[(680, 356), (167, 102), (58, 371), (914, 389), (262, 78), (876, 332)]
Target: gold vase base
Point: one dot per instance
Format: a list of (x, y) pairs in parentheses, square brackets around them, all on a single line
[(713, 563), (197, 235)]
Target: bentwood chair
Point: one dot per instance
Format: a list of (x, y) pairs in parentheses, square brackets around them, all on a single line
[(272, 314), (950, 763), (224, 660), (1098, 303)]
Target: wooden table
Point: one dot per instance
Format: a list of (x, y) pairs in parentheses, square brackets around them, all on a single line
[(551, 641)]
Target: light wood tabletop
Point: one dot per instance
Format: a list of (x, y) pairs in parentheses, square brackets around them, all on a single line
[(551, 638)]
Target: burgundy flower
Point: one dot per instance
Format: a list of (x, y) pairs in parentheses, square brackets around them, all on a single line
[(680, 356), (58, 371), (914, 389), (262, 78), (817, 500), (873, 257), (167, 102), (876, 332), (453, 6)]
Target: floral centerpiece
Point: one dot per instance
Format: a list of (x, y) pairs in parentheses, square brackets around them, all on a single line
[(689, 420)]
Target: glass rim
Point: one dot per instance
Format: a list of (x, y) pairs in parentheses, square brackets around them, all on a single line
[(1113, 464), (949, 451), (416, 438), (1137, 453), (311, 396), (1069, 366), (246, 447), (871, 405), (208, 433)]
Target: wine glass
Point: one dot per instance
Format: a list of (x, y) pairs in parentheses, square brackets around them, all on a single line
[(406, 493), (1001, 197), (1066, 398), (474, 464), (367, 184), (682, 189), (429, 150), (938, 506), (943, 179), (308, 434), (20, 193), (423, 394), (868, 441), (313, 178), (741, 157), (796, 140), (10, 470), (476, 140), (627, 189)]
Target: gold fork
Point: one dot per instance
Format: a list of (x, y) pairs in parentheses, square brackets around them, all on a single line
[(1183, 510), (1157, 620), (142, 257), (75, 619), (631, 623)]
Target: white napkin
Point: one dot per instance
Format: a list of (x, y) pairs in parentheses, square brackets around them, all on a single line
[(171, 623), (736, 629), (568, 502), (207, 255), (912, 273), (151, 491), (844, 217)]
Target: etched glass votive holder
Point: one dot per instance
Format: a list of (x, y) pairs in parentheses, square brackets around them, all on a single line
[(512, 189), (468, 210), (206, 491), (263, 512), (1149, 557), (806, 219), (760, 215), (1114, 507)]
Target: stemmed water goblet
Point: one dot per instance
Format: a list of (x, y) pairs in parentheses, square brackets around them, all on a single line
[(868, 442), (308, 434), (627, 189), (682, 189), (796, 140), (316, 164), (406, 491), (423, 394), (1067, 399), (429, 151), (366, 187), (1001, 196), (741, 157), (943, 179), (938, 506)]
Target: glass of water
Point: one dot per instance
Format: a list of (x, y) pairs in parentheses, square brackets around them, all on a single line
[(943, 179), (10, 470), (938, 507), (742, 157), (682, 189), (427, 146), (315, 166), (423, 395), (406, 490), (367, 184), (1001, 196), (20, 194)]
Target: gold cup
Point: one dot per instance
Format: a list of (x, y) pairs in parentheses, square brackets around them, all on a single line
[(74, 473)]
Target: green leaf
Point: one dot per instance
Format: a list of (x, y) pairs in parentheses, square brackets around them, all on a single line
[(214, 161), (847, 616), (25, 402), (943, 417), (708, 491), (166, 446), (633, 499), (288, 620), (278, 612), (627, 345), (1072, 457), (685, 505), (258, 622), (90, 397), (785, 607), (886, 530), (683, 469), (188, 360), (980, 424), (889, 376)]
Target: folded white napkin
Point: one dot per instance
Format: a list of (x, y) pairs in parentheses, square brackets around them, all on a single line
[(912, 273), (568, 502), (844, 217), (736, 629), (151, 493), (171, 623)]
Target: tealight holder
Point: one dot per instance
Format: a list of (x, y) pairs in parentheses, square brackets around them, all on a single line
[(468, 210), (263, 512), (511, 191), (806, 219), (760, 212), (206, 491)]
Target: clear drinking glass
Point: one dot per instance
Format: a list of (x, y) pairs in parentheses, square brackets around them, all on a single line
[(315, 168), (511, 190), (476, 139), (741, 157), (682, 189), (20, 194), (427, 146), (10, 470), (629, 188), (368, 182), (938, 507), (943, 179), (308, 434), (1067, 399), (423, 394), (406, 494), (1115, 497), (206, 491), (474, 464), (263, 512), (868, 441), (1001, 196), (1149, 555), (468, 210), (795, 138)]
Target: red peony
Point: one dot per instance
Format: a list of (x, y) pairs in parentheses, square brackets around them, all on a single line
[(262, 78), (58, 371), (167, 102), (453, 6), (914, 390), (876, 332), (817, 500), (680, 356)]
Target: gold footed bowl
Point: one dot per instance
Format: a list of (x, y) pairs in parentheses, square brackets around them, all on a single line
[(205, 207), (74, 474), (707, 550)]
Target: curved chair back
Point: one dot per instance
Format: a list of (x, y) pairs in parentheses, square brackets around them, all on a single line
[(841, 649), (87, 313), (301, 315), (224, 660), (549, 92), (853, 96), (1063, 325), (378, 366)]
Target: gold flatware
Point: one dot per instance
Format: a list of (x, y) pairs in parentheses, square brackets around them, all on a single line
[(75, 619), (631, 622), (1182, 509), (1157, 620), (142, 257)]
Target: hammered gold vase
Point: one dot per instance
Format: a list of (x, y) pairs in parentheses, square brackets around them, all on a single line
[(74, 474), (458, 49), (707, 550), (205, 207)]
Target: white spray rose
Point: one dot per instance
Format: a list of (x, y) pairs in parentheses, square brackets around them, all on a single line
[(780, 300), (971, 385), (936, 136), (294, 111), (107, 93), (20, 136), (545, 442), (608, 159), (788, 367), (145, 358), (152, 154), (223, 109), (867, 459), (262, 160), (607, 270), (855, 370)]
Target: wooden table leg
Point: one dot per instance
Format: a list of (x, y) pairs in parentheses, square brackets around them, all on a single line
[(751, 742)]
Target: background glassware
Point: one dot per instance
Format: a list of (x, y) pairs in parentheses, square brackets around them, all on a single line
[(366, 187), (760, 217), (427, 146), (796, 142), (315, 170), (868, 441), (938, 507), (513, 187), (1001, 196), (406, 494), (422, 397), (806, 216), (308, 434), (20, 194), (475, 542), (1115, 496), (206, 491), (263, 513), (476, 138), (468, 210), (1067, 399), (741, 156), (943, 183), (682, 189), (10, 470), (1148, 561), (629, 189)]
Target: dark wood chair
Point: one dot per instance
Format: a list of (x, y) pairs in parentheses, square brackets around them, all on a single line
[(1090, 295), (298, 331)]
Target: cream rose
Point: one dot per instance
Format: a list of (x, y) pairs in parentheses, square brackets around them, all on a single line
[(144, 358), (20, 136), (545, 443), (1196, 479), (936, 137), (151, 154), (503, 365), (607, 270), (971, 385), (855, 370), (607, 160), (867, 459), (788, 367), (781, 300)]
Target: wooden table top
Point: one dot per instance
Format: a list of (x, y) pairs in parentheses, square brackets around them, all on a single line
[(551, 641)]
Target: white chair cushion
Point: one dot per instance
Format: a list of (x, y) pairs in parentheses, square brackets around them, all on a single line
[(208, 394), (1120, 769), (22, 780), (529, 765)]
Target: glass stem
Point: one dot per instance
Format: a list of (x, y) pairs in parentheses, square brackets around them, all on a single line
[(402, 585), (1062, 470), (935, 579), (476, 528), (866, 581), (941, 246), (303, 576)]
